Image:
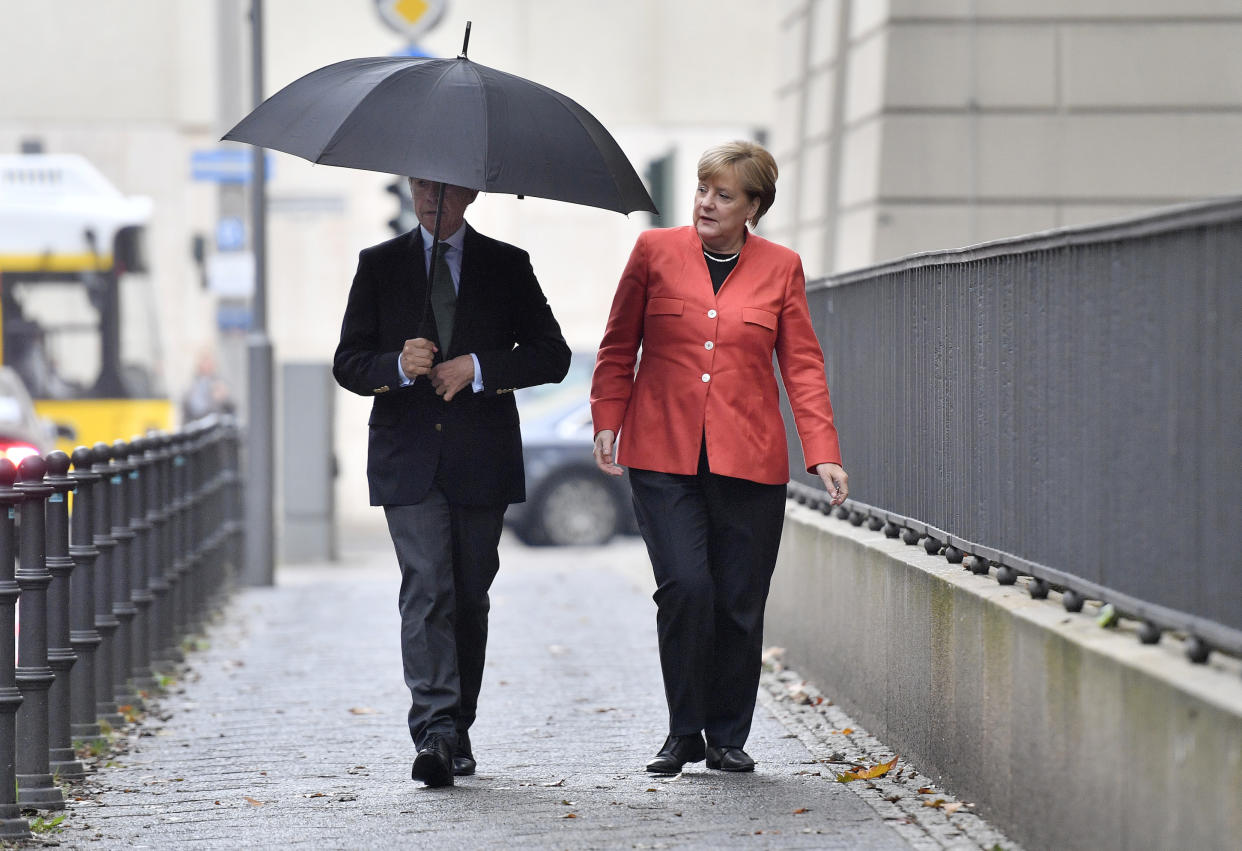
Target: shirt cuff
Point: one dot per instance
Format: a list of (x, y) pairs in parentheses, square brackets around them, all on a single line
[(477, 384), (405, 382)]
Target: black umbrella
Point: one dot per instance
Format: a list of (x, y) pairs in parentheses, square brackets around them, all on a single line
[(452, 121)]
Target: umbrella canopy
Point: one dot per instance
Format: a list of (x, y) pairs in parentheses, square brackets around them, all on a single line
[(448, 120)]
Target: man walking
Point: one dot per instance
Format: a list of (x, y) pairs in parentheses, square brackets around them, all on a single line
[(445, 451)]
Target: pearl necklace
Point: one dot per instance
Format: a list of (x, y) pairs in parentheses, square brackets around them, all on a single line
[(721, 259)]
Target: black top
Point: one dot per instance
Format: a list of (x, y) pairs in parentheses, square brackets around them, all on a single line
[(720, 265)]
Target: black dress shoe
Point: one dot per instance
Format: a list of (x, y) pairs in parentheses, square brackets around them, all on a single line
[(463, 757), (677, 751), (729, 759), (434, 763)]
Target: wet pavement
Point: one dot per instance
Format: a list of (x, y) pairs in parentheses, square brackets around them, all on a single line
[(287, 728)]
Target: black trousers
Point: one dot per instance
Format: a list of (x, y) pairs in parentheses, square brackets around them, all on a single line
[(448, 558), (713, 542)]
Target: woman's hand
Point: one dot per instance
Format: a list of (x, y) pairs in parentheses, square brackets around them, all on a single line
[(603, 453), (836, 480)]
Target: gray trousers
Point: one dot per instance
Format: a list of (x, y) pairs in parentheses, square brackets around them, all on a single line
[(448, 558)]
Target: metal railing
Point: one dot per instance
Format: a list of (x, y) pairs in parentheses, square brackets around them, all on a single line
[(103, 595), (1065, 406)]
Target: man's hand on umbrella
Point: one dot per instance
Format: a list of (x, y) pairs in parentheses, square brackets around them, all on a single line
[(452, 375), (416, 357)]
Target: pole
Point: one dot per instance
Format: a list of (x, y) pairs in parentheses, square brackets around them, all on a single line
[(259, 567)]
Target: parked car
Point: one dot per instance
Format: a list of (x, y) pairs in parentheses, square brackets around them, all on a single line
[(22, 432), (569, 502)]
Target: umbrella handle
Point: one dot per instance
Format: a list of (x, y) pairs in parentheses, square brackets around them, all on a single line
[(465, 45), (435, 246)]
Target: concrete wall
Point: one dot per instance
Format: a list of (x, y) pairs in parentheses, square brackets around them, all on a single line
[(1066, 735), (908, 126)]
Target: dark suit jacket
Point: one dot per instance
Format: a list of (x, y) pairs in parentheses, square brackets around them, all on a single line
[(471, 446)]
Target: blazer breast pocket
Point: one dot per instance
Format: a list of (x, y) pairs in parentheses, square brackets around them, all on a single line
[(758, 316), (665, 306)]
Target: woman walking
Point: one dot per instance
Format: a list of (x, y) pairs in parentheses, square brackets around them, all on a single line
[(700, 429)]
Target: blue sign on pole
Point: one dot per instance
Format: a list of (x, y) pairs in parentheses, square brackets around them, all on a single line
[(226, 165), (230, 234)]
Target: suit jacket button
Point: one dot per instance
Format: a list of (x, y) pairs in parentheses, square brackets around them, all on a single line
[(706, 377), (711, 314)]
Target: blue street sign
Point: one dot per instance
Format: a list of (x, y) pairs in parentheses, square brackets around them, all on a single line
[(230, 234), (226, 165)]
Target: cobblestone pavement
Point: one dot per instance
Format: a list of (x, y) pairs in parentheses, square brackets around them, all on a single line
[(288, 729)]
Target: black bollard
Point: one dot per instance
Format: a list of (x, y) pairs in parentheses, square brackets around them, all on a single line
[(105, 619), (12, 825), (35, 787), (234, 525), (156, 455), (180, 505), (140, 582), (83, 635), (191, 529), (60, 656), (122, 586)]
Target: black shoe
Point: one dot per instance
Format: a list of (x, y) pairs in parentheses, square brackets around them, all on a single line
[(434, 763), (729, 759), (463, 757), (677, 751)]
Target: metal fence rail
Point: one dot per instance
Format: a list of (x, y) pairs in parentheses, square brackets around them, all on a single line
[(1065, 406), (106, 593)]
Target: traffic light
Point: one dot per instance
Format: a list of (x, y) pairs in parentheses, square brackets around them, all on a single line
[(405, 218)]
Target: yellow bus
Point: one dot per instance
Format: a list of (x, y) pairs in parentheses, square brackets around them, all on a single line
[(77, 309)]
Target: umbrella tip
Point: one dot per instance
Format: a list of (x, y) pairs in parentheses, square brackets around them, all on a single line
[(465, 45)]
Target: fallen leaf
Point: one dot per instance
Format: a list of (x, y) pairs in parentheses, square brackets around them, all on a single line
[(560, 782), (570, 815), (317, 795), (953, 807), (361, 710), (567, 802), (847, 731), (871, 773), (926, 790), (652, 789), (935, 805), (800, 811), (253, 802)]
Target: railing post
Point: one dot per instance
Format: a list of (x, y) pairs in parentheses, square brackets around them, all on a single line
[(122, 586), (192, 525), (139, 561), (105, 619), (12, 825), (35, 787), (233, 504), (60, 656), (177, 538), (157, 553), (83, 635)]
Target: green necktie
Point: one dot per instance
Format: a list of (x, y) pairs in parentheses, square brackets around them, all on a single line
[(443, 298)]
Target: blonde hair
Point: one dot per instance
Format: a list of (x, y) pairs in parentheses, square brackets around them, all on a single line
[(753, 165)]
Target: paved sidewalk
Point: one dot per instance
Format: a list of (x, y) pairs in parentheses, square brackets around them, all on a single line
[(289, 730)]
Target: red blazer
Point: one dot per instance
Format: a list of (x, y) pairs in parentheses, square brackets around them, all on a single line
[(707, 362)]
